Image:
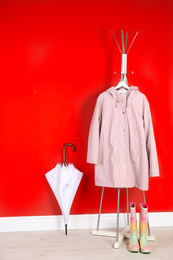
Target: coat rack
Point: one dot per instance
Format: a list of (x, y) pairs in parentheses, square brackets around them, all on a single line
[(125, 232)]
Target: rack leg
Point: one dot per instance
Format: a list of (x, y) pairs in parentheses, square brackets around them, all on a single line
[(118, 206), (98, 221), (127, 206), (147, 216), (119, 236)]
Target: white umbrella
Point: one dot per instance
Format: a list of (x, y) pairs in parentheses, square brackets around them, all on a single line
[(64, 181)]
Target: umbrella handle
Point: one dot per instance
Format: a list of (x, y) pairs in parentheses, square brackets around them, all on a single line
[(73, 149)]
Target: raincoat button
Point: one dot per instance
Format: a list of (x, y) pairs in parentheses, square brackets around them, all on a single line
[(124, 166)]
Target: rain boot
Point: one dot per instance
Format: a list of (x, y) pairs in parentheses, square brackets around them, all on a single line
[(133, 241), (144, 246)]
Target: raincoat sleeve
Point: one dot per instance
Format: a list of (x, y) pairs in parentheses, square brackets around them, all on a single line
[(94, 134), (150, 141)]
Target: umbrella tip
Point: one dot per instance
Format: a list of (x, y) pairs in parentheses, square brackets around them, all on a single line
[(65, 229)]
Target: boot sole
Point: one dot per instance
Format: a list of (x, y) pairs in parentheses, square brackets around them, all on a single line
[(133, 251), (145, 252)]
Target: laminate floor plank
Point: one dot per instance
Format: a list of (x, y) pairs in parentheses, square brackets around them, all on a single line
[(79, 244)]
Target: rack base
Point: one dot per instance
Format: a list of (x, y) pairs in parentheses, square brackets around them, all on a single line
[(105, 233), (122, 235)]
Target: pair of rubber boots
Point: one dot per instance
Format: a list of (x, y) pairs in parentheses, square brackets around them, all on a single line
[(142, 245)]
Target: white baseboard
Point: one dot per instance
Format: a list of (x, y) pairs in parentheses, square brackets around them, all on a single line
[(88, 221)]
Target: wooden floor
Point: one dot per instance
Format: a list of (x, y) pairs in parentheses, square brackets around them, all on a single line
[(79, 244)]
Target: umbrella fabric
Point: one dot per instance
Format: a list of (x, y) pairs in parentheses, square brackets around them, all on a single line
[(64, 182)]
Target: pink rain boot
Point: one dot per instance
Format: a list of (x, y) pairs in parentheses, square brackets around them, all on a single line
[(144, 246), (133, 241)]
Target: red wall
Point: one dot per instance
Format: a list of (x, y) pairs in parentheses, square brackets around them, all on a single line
[(55, 58)]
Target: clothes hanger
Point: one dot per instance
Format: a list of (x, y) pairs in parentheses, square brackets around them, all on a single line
[(122, 84)]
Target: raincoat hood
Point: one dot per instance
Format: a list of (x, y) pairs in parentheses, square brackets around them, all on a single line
[(131, 93)]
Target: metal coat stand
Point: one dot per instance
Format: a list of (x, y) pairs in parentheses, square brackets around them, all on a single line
[(125, 232)]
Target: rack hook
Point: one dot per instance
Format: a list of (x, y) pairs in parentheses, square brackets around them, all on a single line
[(124, 47), (116, 42), (133, 40), (73, 149)]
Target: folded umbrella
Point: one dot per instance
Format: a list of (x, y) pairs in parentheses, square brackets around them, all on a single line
[(64, 181)]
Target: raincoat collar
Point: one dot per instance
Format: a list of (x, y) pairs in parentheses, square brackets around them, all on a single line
[(130, 94)]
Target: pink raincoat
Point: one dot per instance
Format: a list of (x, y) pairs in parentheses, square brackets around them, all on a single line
[(121, 140)]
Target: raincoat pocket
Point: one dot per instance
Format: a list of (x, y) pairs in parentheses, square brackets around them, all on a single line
[(134, 147), (110, 152)]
